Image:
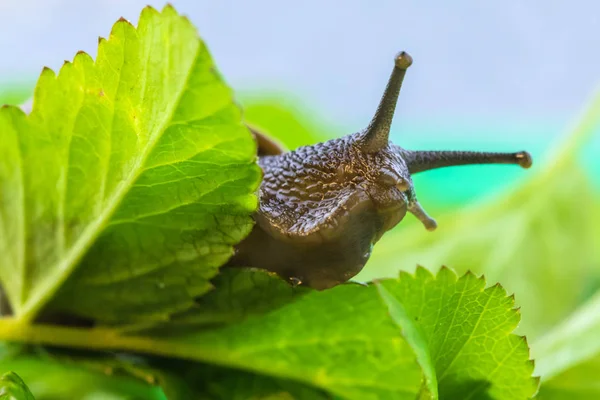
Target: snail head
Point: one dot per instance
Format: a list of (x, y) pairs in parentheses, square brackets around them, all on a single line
[(393, 188)]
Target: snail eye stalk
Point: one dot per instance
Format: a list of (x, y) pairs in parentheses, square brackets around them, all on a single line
[(414, 207), (376, 136), (419, 161)]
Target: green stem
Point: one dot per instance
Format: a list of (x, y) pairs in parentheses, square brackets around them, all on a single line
[(13, 330), (107, 339)]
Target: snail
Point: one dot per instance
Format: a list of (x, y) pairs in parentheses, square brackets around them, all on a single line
[(323, 207)]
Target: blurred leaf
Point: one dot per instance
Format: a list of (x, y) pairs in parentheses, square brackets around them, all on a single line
[(538, 241), (343, 340), (158, 378), (51, 378), (287, 120), (569, 355), (14, 94), (130, 182), (12, 387), (580, 382)]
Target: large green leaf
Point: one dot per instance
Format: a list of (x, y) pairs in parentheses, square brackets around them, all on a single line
[(350, 342), (130, 181)]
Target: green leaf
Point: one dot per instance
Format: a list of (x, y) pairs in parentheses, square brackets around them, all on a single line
[(350, 342), (340, 340), (12, 387), (580, 382), (468, 331), (569, 355), (413, 335), (216, 383), (129, 183), (11, 93), (524, 239)]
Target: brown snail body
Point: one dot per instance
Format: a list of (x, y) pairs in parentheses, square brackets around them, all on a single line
[(323, 207)]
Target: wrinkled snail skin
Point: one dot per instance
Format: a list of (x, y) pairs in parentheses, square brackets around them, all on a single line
[(323, 207)]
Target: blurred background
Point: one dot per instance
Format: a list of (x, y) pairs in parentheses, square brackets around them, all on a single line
[(503, 76)]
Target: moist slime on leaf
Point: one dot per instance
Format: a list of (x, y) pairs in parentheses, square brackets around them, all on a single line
[(323, 207)]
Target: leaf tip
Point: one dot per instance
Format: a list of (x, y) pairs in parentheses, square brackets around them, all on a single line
[(404, 275), (12, 108), (48, 72), (148, 11), (101, 40), (536, 381), (523, 339), (169, 7), (123, 19), (423, 273), (447, 273), (82, 56)]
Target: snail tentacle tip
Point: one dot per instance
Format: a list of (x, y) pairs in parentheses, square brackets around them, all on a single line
[(524, 159), (403, 60), (431, 225)]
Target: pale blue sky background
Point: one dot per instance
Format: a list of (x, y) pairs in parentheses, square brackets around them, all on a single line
[(523, 68), (526, 58)]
